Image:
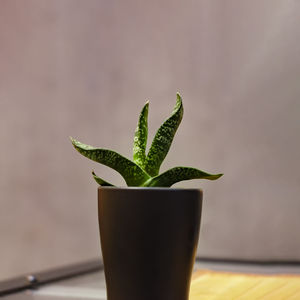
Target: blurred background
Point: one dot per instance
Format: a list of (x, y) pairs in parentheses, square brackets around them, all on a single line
[(86, 68)]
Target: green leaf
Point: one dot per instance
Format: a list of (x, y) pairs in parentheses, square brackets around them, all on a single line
[(132, 173), (163, 139), (140, 138), (177, 174), (101, 181)]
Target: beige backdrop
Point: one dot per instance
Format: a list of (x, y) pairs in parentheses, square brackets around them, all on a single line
[(85, 68)]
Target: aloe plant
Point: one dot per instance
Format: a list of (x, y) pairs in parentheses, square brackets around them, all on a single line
[(143, 170)]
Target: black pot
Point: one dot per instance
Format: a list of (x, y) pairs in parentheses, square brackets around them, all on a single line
[(149, 239)]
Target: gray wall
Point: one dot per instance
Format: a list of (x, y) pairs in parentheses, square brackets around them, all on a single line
[(85, 68)]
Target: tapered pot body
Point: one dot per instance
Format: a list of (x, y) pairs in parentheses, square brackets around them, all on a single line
[(149, 239)]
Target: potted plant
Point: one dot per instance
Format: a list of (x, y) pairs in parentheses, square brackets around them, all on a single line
[(149, 231)]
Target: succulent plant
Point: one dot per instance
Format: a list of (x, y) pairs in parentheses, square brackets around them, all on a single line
[(143, 170)]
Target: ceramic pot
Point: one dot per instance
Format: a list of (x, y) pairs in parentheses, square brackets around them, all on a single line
[(149, 239)]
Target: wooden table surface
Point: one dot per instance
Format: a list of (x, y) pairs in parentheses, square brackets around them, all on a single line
[(86, 281)]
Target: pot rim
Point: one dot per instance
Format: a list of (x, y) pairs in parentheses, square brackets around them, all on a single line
[(137, 188)]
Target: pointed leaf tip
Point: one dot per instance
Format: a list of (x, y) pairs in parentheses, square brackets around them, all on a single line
[(178, 106), (219, 175)]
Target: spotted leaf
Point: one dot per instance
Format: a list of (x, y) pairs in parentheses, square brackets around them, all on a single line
[(178, 174), (132, 173), (163, 139), (140, 138)]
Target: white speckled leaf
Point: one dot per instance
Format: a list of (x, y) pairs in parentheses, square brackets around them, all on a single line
[(163, 139), (132, 173), (178, 174), (140, 138)]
